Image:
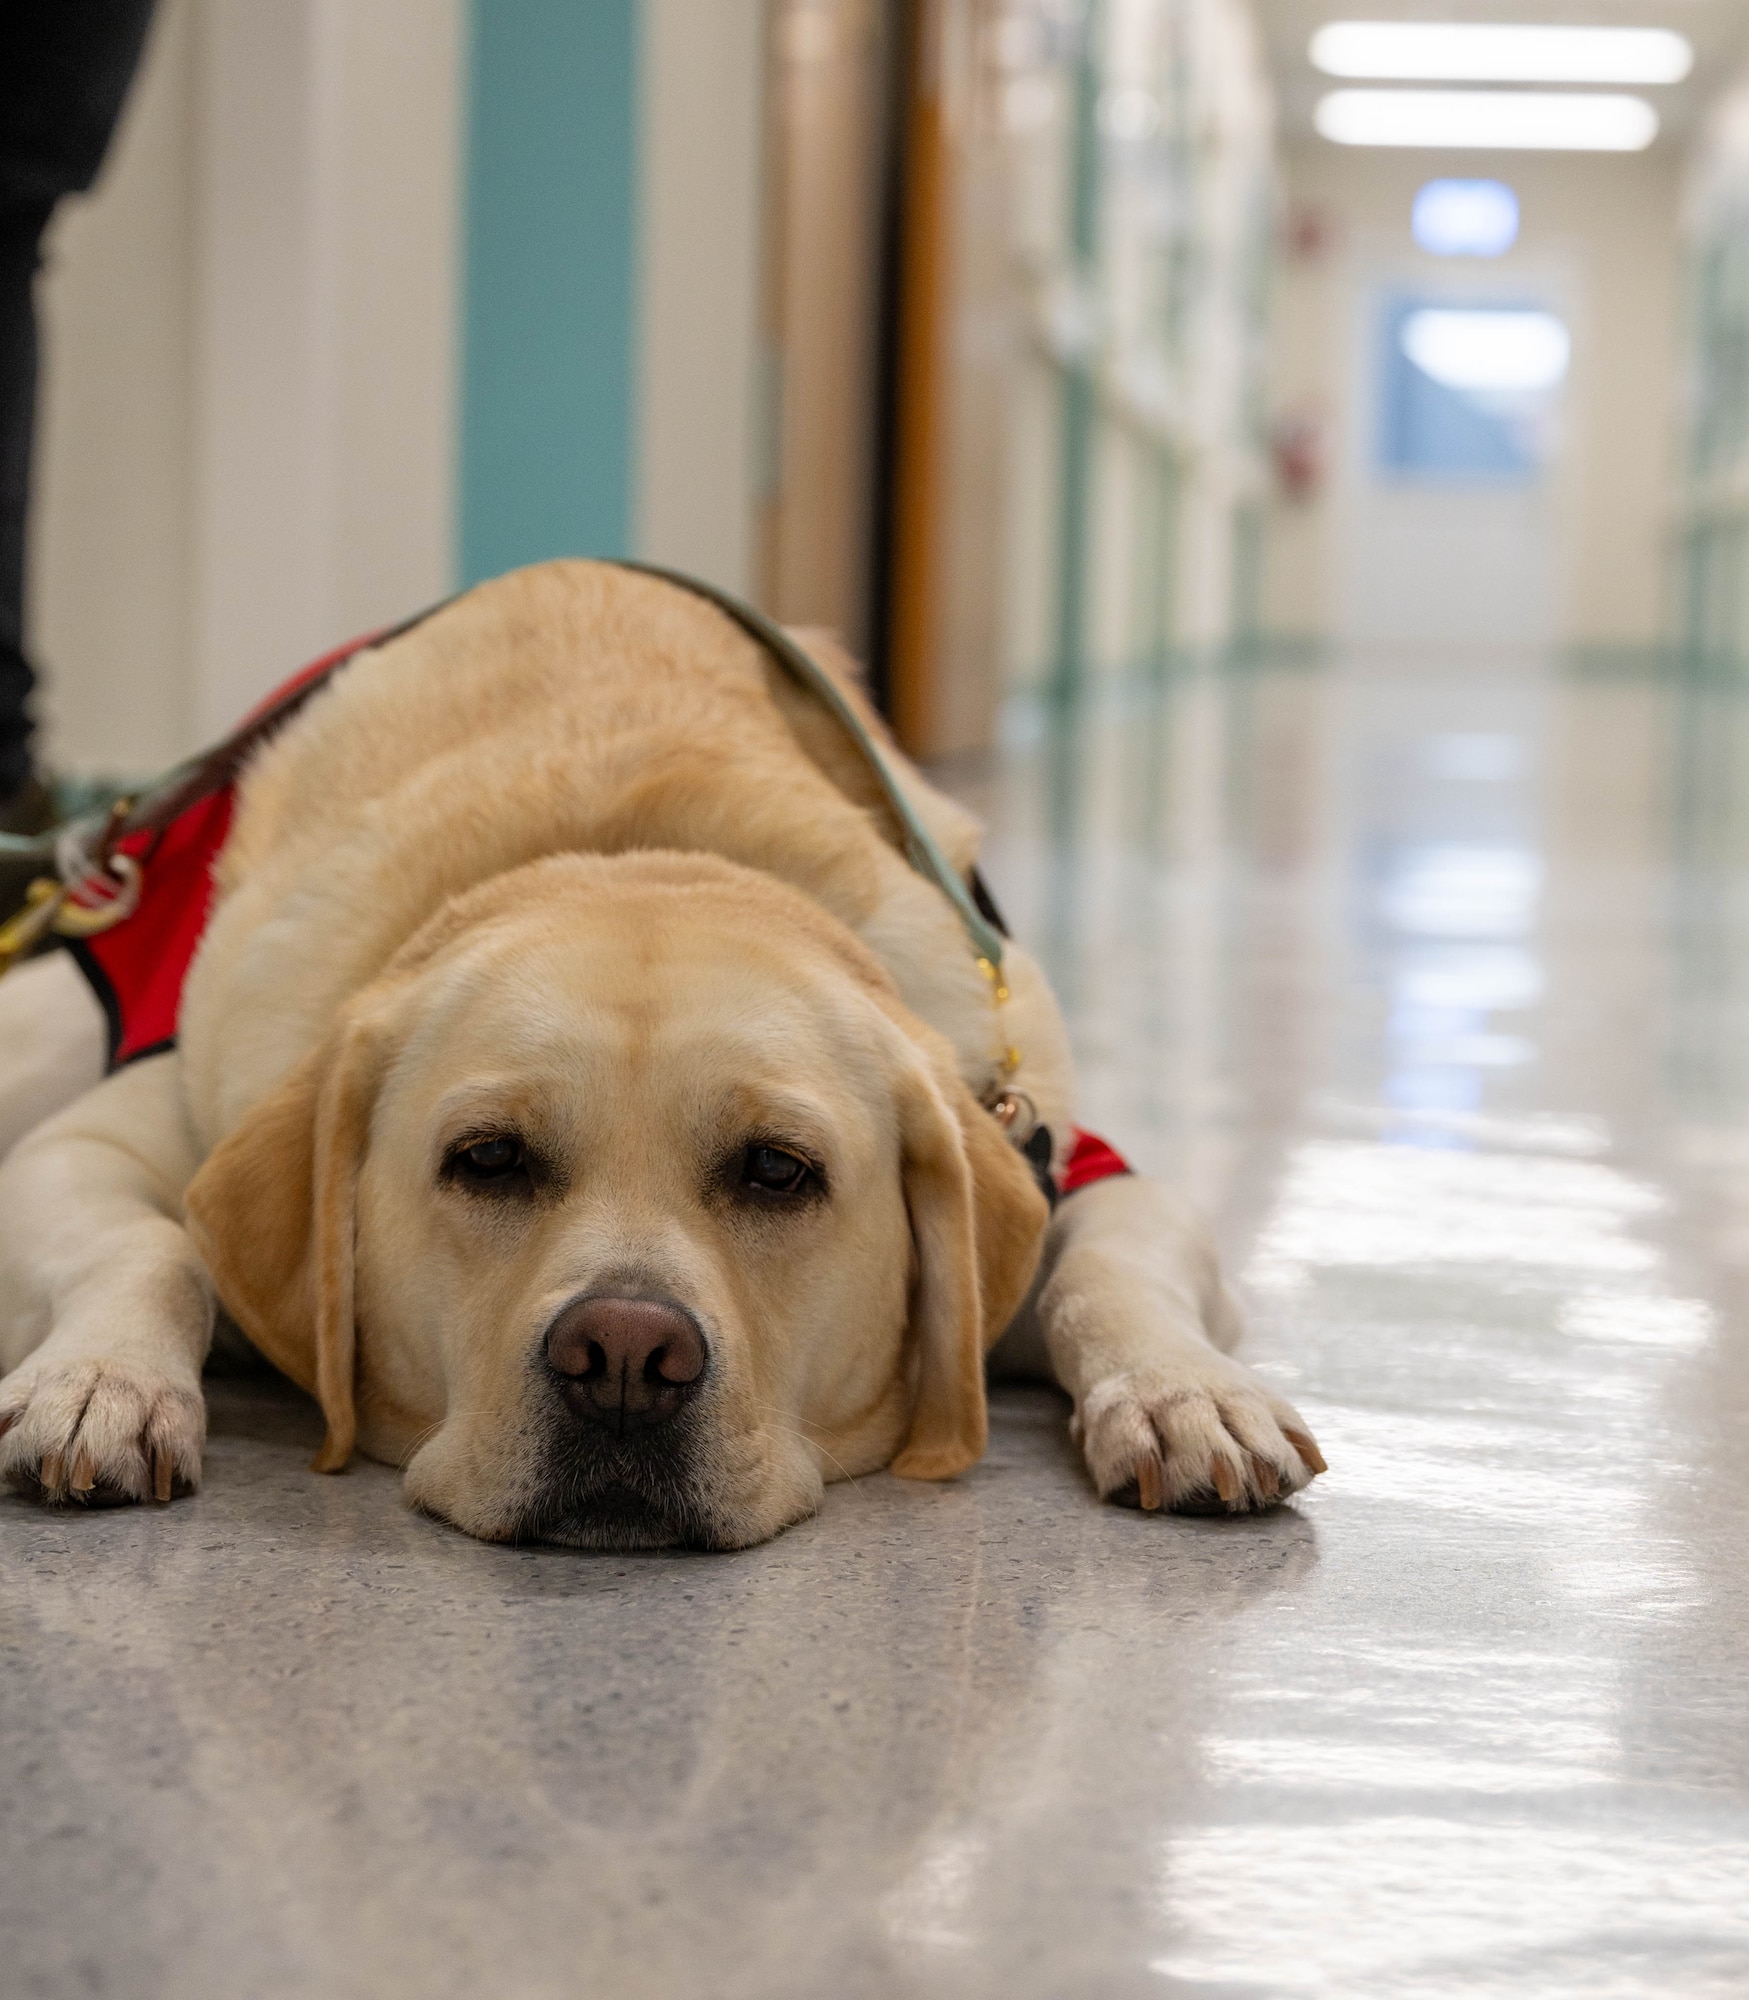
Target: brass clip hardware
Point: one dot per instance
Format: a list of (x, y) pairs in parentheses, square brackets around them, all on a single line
[(27, 927), (49, 906)]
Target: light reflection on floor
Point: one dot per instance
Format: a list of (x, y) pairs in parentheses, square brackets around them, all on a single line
[(1434, 989)]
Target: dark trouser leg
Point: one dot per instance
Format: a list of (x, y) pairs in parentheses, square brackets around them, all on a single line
[(21, 231), (65, 66)]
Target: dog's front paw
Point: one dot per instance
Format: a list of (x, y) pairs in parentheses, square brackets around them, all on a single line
[(1205, 1438), (100, 1432)]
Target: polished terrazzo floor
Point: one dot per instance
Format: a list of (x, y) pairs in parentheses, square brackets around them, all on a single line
[(1435, 988)]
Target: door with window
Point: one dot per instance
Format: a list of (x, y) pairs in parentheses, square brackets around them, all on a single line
[(1451, 527)]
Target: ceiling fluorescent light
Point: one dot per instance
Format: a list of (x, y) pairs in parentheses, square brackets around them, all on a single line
[(1511, 120), (1465, 218), (1489, 52)]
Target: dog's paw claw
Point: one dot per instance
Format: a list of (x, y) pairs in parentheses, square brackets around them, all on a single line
[(1307, 1446), (100, 1434), (1150, 1483), (1221, 1445)]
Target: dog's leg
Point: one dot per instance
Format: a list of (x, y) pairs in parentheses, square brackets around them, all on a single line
[(105, 1310), (51, 1043), (1135, 1322)]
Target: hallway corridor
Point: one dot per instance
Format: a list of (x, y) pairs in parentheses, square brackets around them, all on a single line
[(1440, 1006)]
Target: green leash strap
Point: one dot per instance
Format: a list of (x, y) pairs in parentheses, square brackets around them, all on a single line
[(921, 848)]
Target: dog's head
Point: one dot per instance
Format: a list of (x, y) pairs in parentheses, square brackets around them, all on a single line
[(626, 1206)]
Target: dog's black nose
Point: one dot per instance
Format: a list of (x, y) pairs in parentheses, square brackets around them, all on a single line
[(626, 1362)]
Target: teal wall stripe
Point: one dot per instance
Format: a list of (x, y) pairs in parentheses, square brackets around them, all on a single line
[(550, 294)]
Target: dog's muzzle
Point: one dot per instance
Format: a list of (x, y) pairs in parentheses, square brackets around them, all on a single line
[(625, 1374)]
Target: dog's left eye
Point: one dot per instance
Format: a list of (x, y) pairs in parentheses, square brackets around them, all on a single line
[(774, 1171)]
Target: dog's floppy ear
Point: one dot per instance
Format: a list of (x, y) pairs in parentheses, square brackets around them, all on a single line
[(978, 1221), (272, 1213)]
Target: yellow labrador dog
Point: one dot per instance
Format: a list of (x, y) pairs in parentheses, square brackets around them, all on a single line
[(580, 1093)]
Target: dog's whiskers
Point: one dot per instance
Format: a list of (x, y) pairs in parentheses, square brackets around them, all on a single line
[(430, 1431), (789, 1430)]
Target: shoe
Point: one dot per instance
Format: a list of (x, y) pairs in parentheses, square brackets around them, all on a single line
[(30, 810)]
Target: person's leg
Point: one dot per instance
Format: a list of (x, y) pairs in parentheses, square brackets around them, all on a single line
[(64, 73), (21, 230)]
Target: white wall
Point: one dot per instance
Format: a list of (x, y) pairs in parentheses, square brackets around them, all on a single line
[(1601, 230), (699, 187), (325, 351), (109, 593), (247, 421), (1709, 610), (1168, 324), (247, 444)]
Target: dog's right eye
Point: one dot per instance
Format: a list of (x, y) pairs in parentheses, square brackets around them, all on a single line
[(487, 1160), (773, 1171)]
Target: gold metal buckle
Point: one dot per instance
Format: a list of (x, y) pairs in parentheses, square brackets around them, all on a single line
[(49, 906), (24, 930)]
